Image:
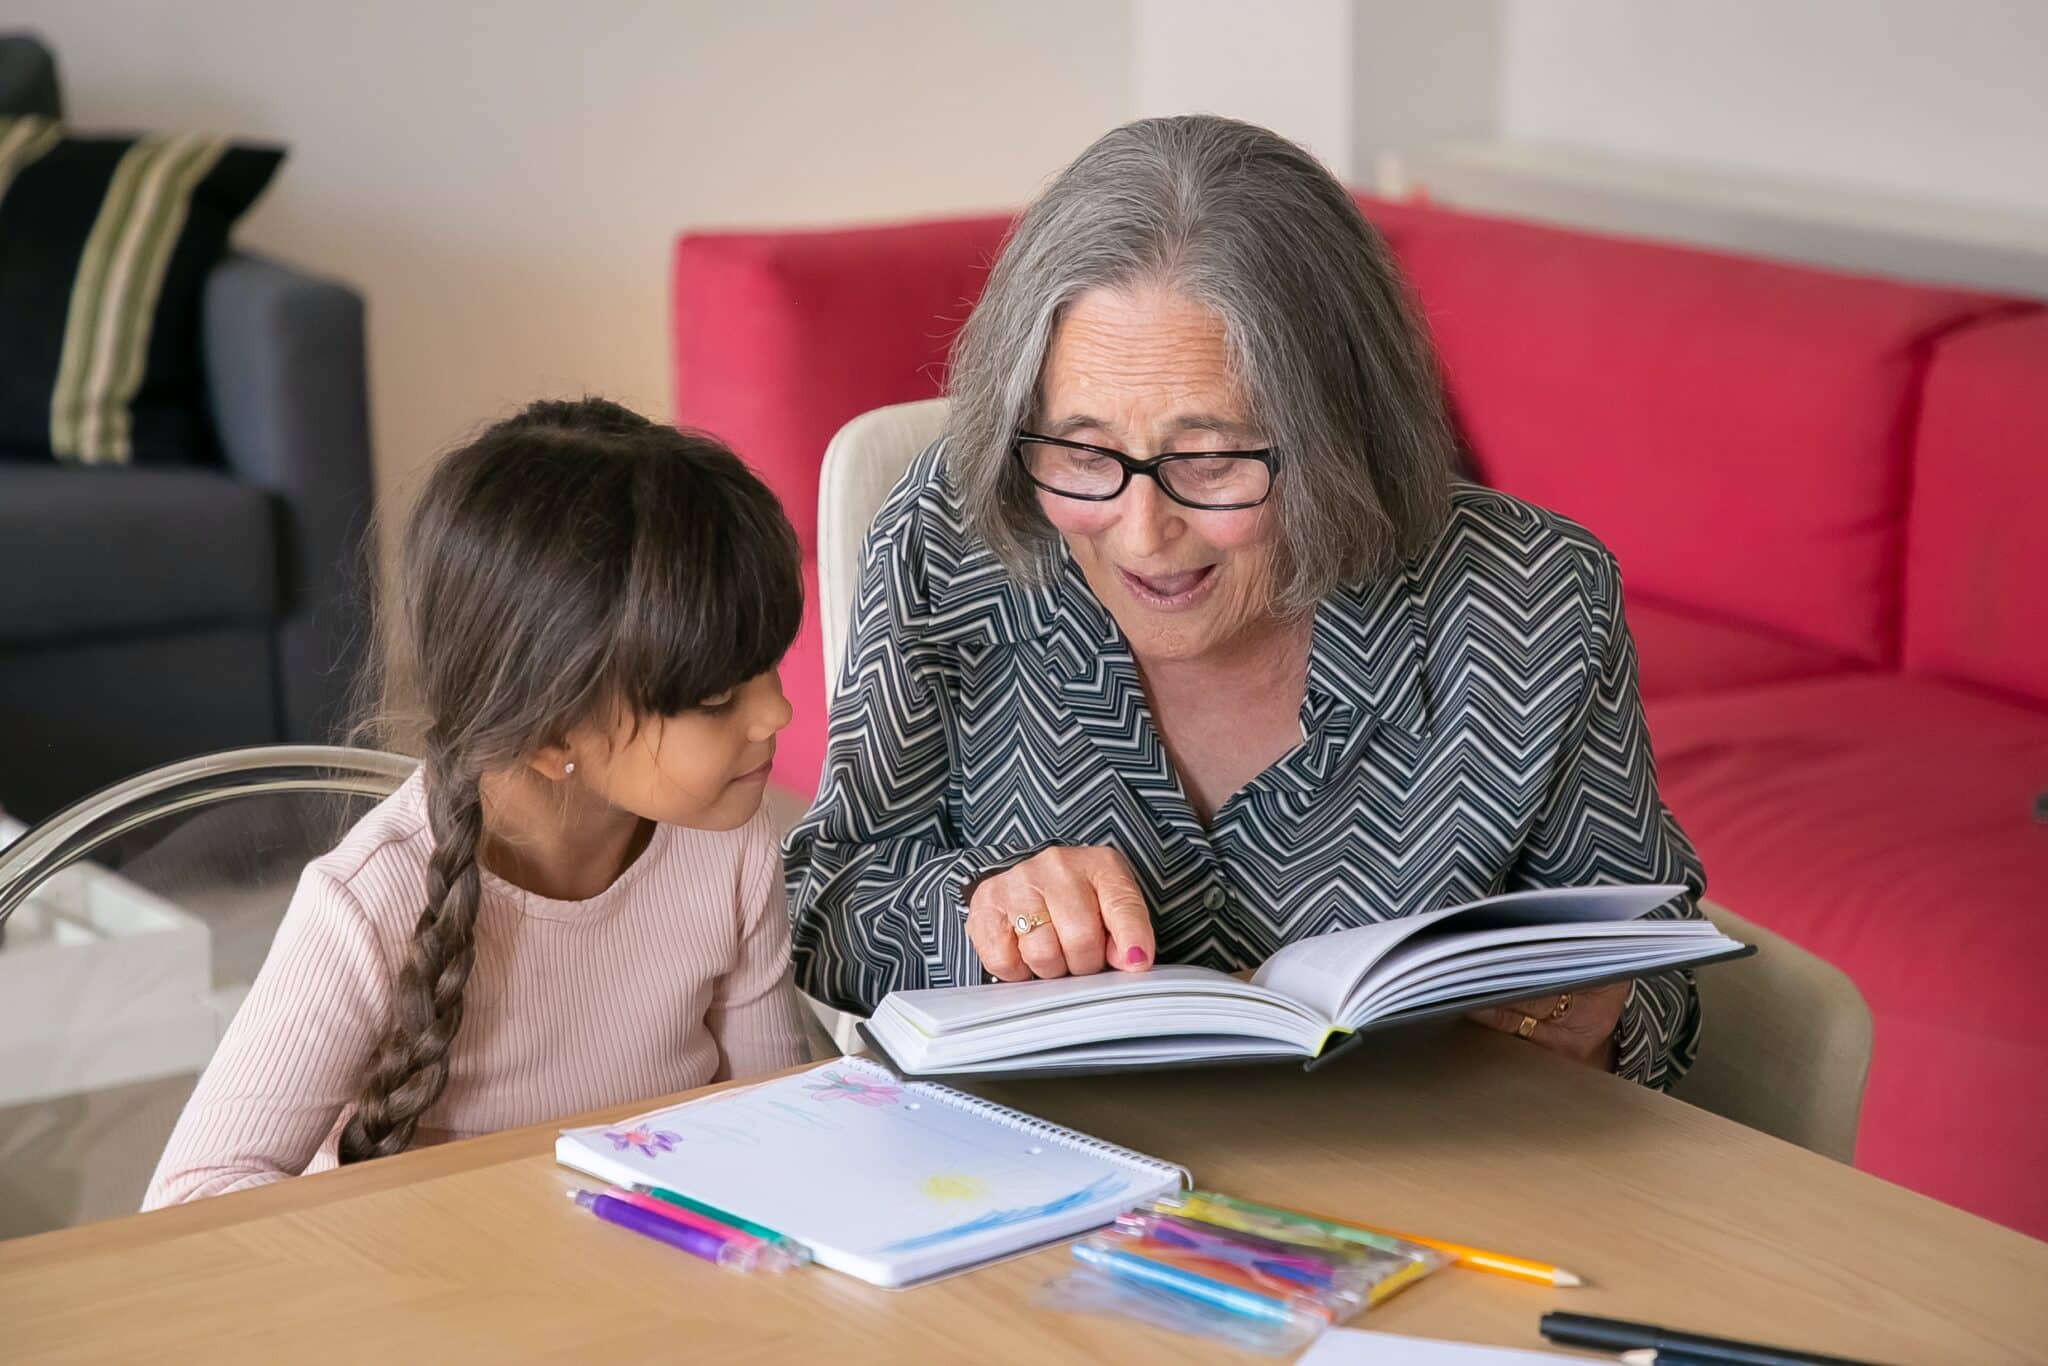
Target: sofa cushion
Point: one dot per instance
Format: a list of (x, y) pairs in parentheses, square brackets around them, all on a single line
[(105, 243), (1681, 651), (85, 552), (1886, 823), (1735, 430), (1976, 556), (845, 320)]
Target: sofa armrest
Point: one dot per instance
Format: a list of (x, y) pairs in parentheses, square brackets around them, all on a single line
[(285, 373), (28, 77)]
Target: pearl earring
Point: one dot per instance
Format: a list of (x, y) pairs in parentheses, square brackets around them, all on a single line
[(568, 768)]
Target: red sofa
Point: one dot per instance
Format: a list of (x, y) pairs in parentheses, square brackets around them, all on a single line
[(1827, 495)]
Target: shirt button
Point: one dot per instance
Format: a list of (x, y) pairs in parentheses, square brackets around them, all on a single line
[(1213, 898)]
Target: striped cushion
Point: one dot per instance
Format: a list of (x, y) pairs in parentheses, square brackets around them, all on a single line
[(105, 243)]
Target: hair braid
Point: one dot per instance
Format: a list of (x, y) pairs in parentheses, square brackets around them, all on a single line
[(411, 1066)]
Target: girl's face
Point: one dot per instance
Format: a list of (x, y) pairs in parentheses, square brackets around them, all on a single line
[(706, 768), (1147, 372)]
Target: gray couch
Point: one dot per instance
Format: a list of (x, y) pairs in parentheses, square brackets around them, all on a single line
[(148, 614)]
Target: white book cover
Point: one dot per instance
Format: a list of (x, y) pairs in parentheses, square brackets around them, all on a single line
[(889, 1181)]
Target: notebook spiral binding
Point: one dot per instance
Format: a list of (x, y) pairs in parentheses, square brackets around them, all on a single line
[(1031, 1124)]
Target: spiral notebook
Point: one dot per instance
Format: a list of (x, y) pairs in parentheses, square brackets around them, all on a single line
[(889, 1181)]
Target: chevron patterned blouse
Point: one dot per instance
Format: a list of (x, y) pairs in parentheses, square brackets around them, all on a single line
[(1470, 725)]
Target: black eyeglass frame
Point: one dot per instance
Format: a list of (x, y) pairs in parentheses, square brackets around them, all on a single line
[(1150, 468)]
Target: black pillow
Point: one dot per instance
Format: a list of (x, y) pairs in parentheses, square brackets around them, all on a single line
[(105, 243)]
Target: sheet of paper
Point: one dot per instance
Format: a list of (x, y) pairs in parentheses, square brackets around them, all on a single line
[(1357, 1347)]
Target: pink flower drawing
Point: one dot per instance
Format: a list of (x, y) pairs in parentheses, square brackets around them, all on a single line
[(648, 1141), (833, 1086)]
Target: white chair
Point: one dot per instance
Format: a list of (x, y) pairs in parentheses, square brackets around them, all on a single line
[(862, 463), (1785, 1044), (1787, 1037)]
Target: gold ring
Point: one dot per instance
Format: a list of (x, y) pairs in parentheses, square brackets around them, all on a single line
[(1527, 1027), (1025, 924), (1564, 1004)]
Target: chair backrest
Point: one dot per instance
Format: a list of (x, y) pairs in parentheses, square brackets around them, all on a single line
[(862, 464), (1786, 1043), (134, 922)]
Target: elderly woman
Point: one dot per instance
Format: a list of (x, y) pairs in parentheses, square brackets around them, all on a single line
[(1182, 644)]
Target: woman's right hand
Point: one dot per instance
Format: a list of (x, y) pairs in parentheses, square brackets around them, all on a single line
[(1093, 910)]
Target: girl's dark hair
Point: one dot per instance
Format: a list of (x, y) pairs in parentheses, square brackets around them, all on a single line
[(572, 561)]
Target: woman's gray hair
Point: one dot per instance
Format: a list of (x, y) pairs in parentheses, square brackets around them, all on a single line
[(1337, 369)]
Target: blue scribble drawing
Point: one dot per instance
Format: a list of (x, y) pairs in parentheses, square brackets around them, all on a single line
[(1002, 1218)]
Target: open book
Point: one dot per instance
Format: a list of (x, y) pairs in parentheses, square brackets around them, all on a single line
[(1312, 999)]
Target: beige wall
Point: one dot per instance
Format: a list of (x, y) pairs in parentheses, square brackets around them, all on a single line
[(502, 180)]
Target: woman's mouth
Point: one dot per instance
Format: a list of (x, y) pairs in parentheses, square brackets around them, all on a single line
[(1170, 592), (756, 775)]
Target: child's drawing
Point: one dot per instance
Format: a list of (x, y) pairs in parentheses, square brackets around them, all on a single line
[(831, 1085), (648, 1141), (1002, 1218), (953, 1188)]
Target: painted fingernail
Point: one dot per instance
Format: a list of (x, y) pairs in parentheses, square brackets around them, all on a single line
[(1134, 955)]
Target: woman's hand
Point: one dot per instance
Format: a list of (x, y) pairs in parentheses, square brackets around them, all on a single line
[(1084, 910), (1584, 1031)]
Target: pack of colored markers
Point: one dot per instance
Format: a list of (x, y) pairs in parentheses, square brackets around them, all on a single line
[(1250, 1276)]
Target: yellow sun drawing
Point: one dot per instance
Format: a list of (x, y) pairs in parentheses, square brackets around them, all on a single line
[(953, 1187)]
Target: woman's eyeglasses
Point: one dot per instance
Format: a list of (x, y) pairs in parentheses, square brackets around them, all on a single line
[(1212, 481)]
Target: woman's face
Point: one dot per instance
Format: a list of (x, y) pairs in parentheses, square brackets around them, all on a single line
[(1145, 371)]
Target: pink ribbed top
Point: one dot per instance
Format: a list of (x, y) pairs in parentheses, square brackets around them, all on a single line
[(675, 975)]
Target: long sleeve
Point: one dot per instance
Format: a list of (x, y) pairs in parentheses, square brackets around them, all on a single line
[(754, 1013), (292, 1060), (1603, 822), (876, 873)]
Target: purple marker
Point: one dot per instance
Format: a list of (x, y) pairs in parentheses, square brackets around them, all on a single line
[(694, 1241)]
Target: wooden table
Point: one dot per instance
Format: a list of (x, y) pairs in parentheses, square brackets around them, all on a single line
[(470, 1252)]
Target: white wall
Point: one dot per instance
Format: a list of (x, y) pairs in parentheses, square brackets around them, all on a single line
[(1284, 64), (1914, 97), (1422, 74), (503, 180)]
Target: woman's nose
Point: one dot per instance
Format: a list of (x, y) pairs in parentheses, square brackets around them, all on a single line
[(1148, 519)]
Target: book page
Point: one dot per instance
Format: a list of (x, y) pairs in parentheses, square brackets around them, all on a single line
[(946, 1010), (1323, 971), (947, 1028)]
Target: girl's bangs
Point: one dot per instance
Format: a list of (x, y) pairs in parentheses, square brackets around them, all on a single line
[(715, 593)]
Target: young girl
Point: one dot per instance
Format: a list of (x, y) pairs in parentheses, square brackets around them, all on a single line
[(577, 901)]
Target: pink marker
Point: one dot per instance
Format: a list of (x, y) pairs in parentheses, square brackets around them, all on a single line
[(688, 1218)]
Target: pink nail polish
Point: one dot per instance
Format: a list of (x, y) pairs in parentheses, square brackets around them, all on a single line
[(1134, 955)]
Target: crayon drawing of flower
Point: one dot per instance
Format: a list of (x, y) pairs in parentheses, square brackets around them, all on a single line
[(833, 1086), (648, 1141)]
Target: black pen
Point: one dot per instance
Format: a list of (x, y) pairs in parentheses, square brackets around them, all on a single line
[(1673, 1348)]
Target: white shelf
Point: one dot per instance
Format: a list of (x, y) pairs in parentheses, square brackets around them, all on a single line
[(1844, 227)]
